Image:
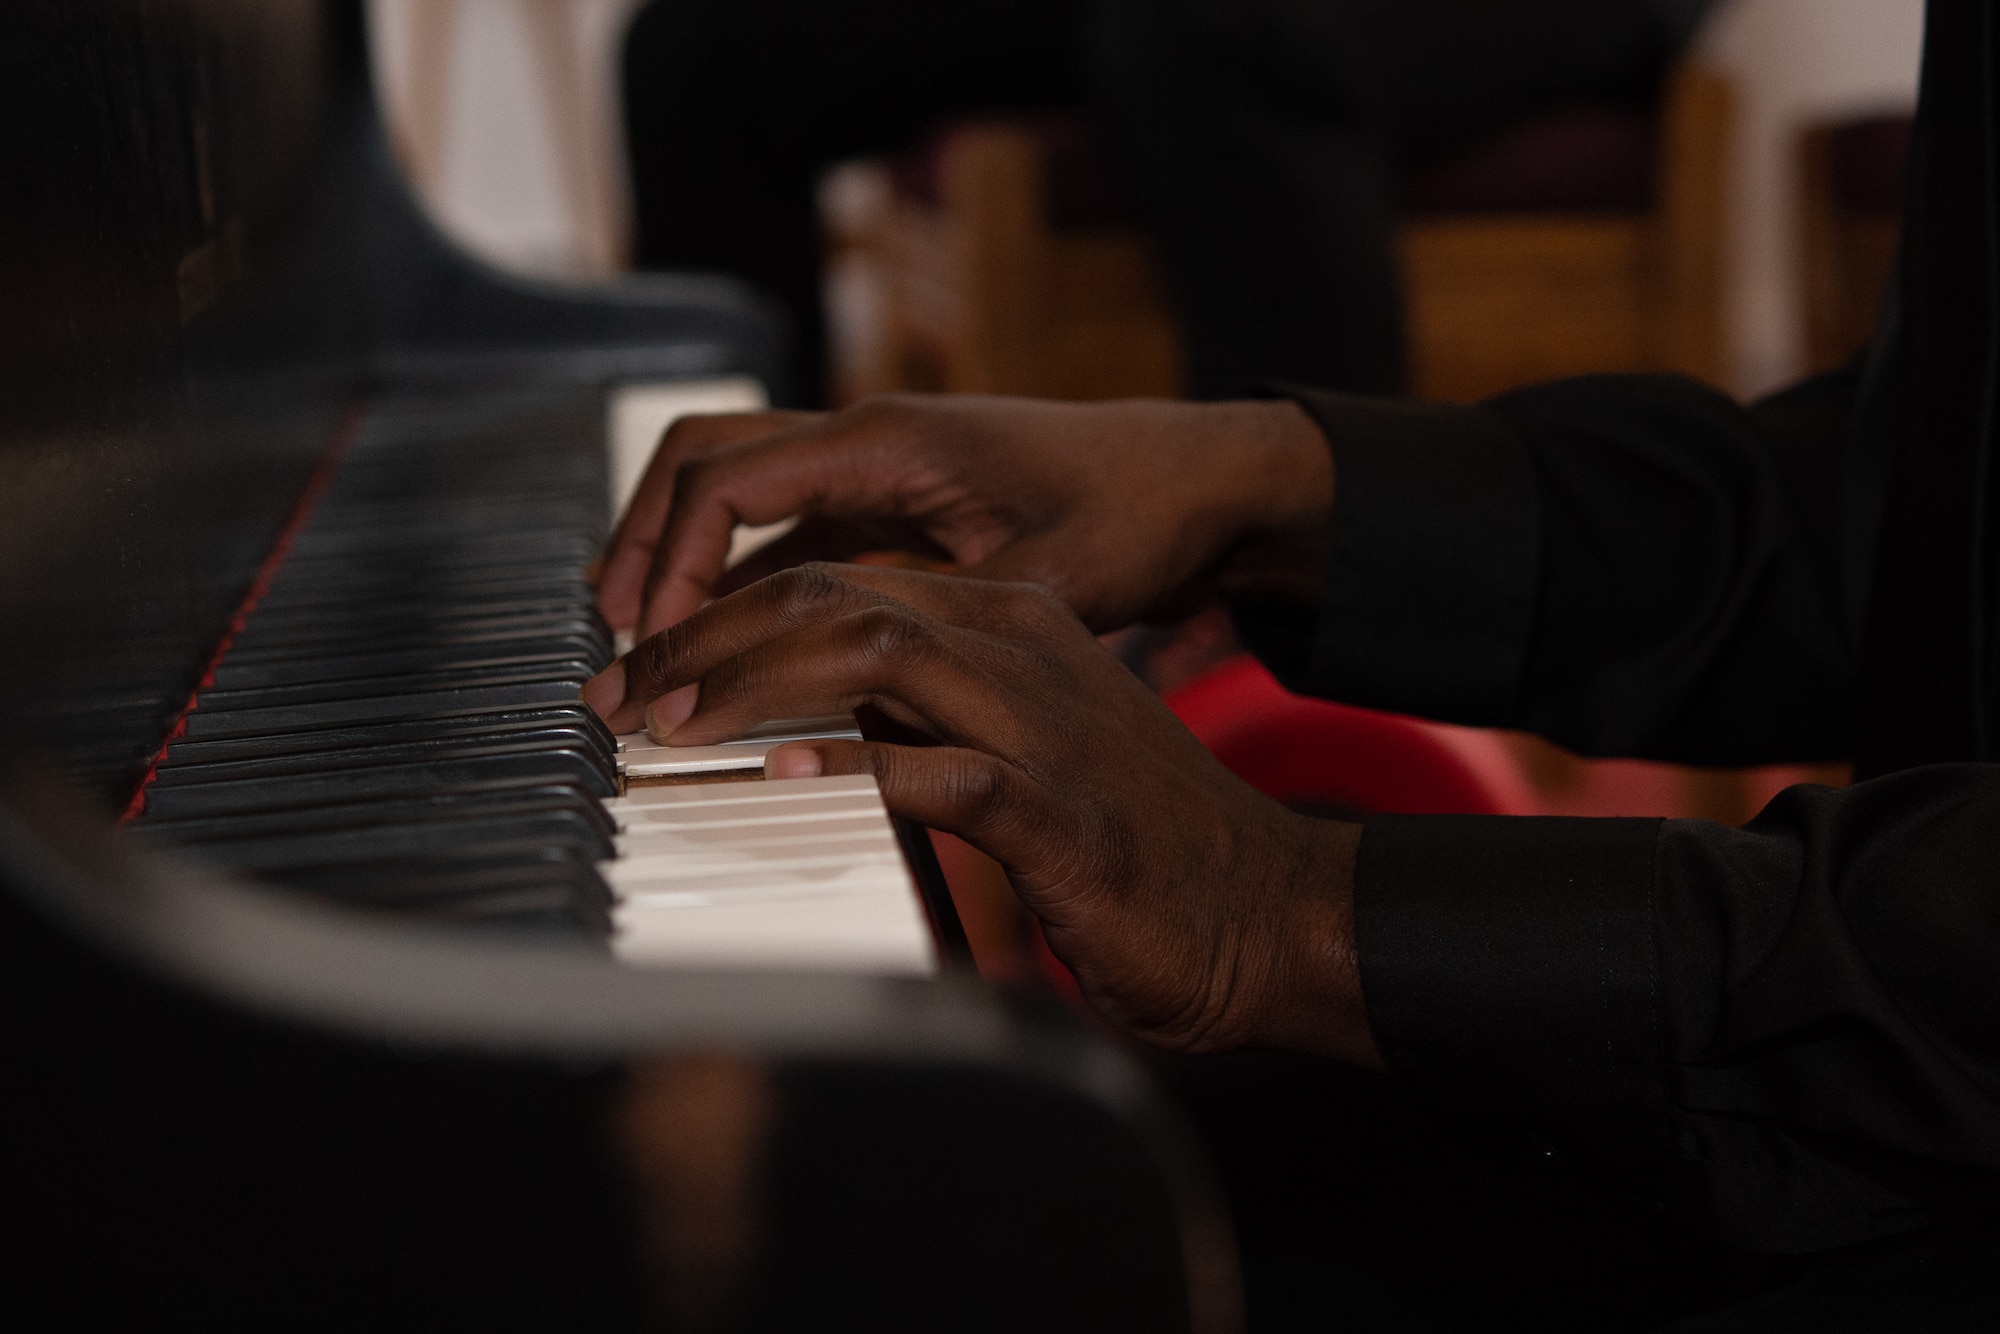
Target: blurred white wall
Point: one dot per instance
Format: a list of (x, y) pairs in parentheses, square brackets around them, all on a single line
[(533, 186), (506, 114), (1795, 62)]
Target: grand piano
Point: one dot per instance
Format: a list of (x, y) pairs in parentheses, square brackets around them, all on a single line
[(313, 871)]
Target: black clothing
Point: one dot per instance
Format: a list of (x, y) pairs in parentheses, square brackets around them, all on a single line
[(1262, 134), (1793, 1028)]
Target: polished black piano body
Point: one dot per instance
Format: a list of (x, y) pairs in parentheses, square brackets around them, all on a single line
[(235, 1107), (208, 260)]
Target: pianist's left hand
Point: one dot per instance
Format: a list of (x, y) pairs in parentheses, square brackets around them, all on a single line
[(1123, 509), (1195, 912)]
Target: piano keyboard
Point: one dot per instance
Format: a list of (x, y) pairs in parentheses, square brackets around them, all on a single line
[(396, 725)]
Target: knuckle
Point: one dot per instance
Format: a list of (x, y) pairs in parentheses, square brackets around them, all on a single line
[(1039, 626), (731, 680), (981, 792), (805, 590), (887, 417), (888, 634), (693, 479), (880, 762), (1037, 606), (689, 431), (650, 661), (881, 408)]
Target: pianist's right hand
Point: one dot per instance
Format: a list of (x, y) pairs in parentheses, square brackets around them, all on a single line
[(1196, 913), (1117, 508)]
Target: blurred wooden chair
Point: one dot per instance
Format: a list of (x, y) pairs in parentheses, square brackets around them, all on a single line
[(1003, 258), (1850, 213), (1000, 257)]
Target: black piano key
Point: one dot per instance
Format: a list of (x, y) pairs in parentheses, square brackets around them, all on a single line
[(364, 553), (362, 556), (575, 716), (410, 576), (552, 630), (397, 725), (593, 769), (574, 671), (412, 599), (498, 773), (472, 584), (347, 634), (452, 877), (414, 608), (505, 653), (501, 834), (552, 889), (441, 805), (543, 899), (323, 555), (514, 824), (291, 718)]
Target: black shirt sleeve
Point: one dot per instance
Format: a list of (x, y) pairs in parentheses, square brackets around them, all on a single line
[(1628, 565), (1793, 1027)]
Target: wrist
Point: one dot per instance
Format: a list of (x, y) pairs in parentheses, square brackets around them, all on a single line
[(1308, 995), (1284, 519), (1297, 470), (1269, 468)]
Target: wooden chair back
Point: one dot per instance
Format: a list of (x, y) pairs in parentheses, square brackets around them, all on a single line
[(951, 276)]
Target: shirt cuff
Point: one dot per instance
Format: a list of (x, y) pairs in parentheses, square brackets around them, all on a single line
[(1430, 587), (1514, 959)]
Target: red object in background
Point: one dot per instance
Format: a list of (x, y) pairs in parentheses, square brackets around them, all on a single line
[(1318, 756)]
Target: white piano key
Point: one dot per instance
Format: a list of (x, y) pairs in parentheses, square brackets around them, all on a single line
[(839, 877), (639, 756), (783, 853), (668, 840), (635, 812), (803, 867), (642, 819), (775, 729), (672, 761), (741, 874), (775, 794), (880, 880), (637, 830), (671, 841), (871, 931), (641, 411)]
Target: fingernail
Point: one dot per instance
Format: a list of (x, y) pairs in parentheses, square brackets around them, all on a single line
[(605, 691), (669, 711), (792, 762)]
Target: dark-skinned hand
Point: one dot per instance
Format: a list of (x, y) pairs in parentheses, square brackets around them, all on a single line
[(1196, 913), (1116, 508)]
